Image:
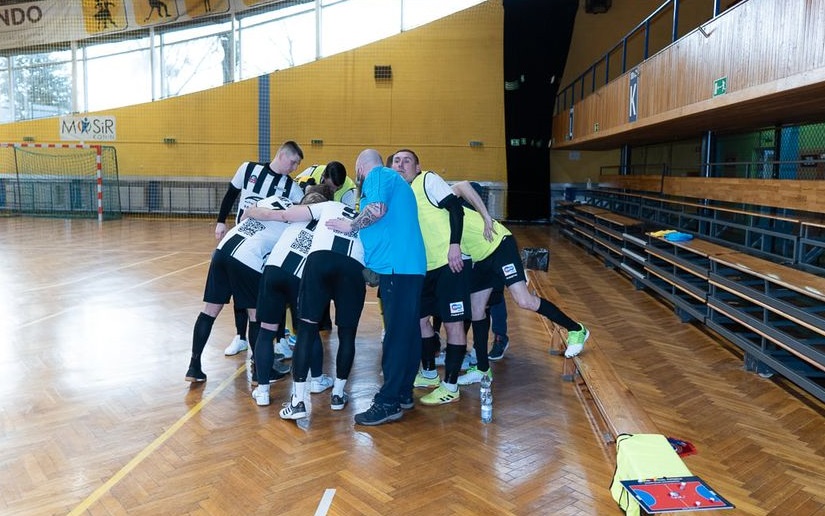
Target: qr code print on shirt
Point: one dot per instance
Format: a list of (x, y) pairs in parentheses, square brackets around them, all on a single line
[(250, 227), (303, 242)]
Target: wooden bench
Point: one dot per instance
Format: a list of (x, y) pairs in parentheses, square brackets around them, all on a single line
[(613, 410), (611, 406)]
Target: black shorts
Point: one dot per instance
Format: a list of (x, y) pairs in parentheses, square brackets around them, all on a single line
[(447, 294), (332, 276), (500, 269), (228, 278), (278, 289)]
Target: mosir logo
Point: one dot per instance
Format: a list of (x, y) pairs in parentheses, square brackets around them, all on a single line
[(85, 128)]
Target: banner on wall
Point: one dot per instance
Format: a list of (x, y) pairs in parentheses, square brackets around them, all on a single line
[(88, 128), (25, 23)]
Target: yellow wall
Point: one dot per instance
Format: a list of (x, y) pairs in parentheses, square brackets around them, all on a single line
[(446, 90)]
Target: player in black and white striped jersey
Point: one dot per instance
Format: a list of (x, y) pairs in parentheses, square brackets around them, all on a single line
[(333, 271), (235, 272), (253, 182), (279, 288)]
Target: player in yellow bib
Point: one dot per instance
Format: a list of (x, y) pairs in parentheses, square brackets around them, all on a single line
[(496, 264), (333, 174)]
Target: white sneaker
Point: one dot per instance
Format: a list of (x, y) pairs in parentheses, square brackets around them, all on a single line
[(321, 384), (469, 360), (261, 396), (236, 346), (473, 375), (282, 347)]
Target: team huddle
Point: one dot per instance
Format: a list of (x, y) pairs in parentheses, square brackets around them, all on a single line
[(432, 250)]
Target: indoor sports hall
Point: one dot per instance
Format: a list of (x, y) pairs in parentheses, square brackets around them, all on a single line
[(659, 163)]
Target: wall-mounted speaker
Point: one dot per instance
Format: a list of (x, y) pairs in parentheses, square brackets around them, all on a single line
[(597, 6), (383, 72)]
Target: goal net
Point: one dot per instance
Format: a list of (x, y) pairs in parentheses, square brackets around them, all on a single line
[(59, 180)]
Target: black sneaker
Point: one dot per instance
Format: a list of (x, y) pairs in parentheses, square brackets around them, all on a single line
[(291, 411), (407, 403), (378, 414), (500, 346), (339, 402), (195, 375)]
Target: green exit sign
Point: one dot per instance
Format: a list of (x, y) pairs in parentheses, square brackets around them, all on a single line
[(720, 86)]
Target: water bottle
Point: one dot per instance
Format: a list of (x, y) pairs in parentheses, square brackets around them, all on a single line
[(486, 395)]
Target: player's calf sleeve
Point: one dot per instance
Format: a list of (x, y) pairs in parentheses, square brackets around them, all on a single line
[(316, 361), (346, 352), (264, 352), (307, 333), (241, 320), (552, 312), (254, 328)]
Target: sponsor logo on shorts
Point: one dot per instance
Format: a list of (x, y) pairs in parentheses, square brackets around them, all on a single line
[(509, 270), (457, 308)]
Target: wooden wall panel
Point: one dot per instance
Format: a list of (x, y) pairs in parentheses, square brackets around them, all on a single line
[(778, 193), (770, 51), (651, 184)]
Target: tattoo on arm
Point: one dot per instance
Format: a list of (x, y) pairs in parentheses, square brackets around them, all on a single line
[(371, 214)]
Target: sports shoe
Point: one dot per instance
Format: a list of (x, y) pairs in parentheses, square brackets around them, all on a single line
[(469, 360), (500, 346), (195, 375), (321, 384), (260, 396), (291, 411), (408, 403), (423, 382), (339, 402), (575, 341), (292, 340), (473, 375), (236, 346), (283, 348), (440, 396), (439, 359), (379, 414)]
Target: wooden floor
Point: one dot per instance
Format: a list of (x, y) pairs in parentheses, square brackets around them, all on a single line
[(96, 417)]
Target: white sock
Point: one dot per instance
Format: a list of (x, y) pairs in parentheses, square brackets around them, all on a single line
[(338, 388), (452, 387), (263, 387), (299, 392), (429, 374)]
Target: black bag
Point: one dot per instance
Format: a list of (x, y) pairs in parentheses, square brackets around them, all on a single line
[(535, 258)]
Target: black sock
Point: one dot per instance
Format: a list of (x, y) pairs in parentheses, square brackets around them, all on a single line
[(452, 362), (552, 312), (481, 330), (203, 328), (429, 348)]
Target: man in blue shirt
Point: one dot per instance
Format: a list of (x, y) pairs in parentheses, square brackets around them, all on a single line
[(393, 249)]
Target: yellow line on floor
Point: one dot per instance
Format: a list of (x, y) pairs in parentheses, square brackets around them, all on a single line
[(125, 470)]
